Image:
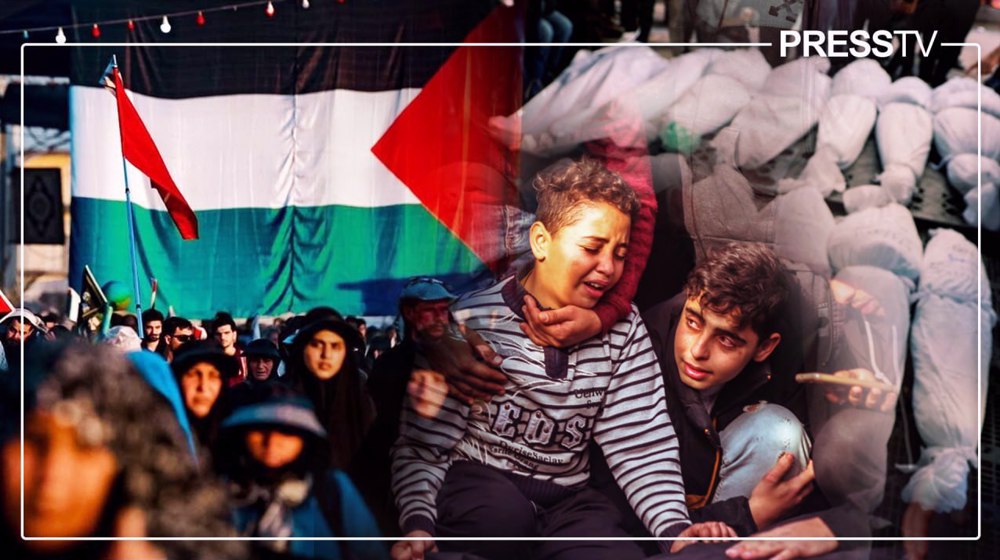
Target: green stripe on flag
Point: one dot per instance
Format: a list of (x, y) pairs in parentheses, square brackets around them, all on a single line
[(269, 261)]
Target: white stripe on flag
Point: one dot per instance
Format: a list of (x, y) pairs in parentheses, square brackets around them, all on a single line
[(245, 151)]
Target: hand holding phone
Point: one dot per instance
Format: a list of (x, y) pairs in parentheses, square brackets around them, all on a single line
[(855, 387)]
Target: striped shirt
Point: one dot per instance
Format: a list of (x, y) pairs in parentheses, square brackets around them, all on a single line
[(607, 389)]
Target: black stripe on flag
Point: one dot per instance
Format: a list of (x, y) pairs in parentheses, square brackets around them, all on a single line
[(185, 72)]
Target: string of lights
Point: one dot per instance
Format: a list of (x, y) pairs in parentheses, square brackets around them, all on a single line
[(200, 19)]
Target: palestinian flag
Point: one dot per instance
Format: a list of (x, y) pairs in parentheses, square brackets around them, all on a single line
[(318, 175)]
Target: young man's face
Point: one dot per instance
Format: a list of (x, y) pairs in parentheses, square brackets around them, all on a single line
[(153, 330), (180, 336), (18, 331), (226, 336), (582, 260), (711, 349), (429, 318)]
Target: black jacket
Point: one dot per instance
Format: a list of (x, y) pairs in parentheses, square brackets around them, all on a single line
[(697, 430)]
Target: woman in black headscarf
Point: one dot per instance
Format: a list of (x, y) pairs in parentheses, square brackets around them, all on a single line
[(203, 371), (323, 363)]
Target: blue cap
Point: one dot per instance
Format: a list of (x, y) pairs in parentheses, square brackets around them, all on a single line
[(425, 288)]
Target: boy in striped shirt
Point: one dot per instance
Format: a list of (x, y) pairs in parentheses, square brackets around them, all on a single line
[(518, 465)]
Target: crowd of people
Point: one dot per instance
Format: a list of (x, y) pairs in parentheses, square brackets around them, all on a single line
[(545, 405)]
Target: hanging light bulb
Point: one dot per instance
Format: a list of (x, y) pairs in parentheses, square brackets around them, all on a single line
[(269, 10), (131, 25), (95, 31), (200, 20), (305, 4), (60, 36), (25, 33), (165, 26)]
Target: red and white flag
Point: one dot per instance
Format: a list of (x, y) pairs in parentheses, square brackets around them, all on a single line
[(140, 150), (5, 305)]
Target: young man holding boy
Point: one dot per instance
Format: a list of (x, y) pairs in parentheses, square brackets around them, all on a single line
[(745, 458), (518, 465)]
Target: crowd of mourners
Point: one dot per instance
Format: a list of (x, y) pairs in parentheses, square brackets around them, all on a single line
[(544, 405)]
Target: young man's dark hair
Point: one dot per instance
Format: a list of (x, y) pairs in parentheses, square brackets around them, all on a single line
[(151, 315), (746, 277), (172, 324), (222, 318)]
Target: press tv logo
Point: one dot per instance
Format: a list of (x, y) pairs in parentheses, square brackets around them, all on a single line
[(858, 43)]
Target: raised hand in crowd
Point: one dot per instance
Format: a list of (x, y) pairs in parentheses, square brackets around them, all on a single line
[(413, 549), (561, 328), (773, 497), (468, 364)]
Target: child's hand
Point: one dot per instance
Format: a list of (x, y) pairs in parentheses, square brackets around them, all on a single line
[(411, 549), (561, 328), (709, 531)]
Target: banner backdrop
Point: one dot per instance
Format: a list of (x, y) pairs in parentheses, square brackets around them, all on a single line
[(273, 149)]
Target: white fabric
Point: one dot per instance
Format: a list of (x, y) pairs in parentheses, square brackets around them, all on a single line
[(965, 92), (864, 77), (594, 78), (802, 226), (883, 351), (883, 237), (990, 199), (947, 379), (632, 103), (312, 149), (907, 90), (956, 130), (963, 172), (821, 173), (747, 66), (708, 105), (844, 127), (903, 133), (865, 196), (770, 124)]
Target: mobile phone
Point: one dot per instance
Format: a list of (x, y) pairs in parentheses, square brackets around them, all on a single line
[(846, 381)]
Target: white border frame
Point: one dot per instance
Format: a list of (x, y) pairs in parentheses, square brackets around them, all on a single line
[(979, 240)]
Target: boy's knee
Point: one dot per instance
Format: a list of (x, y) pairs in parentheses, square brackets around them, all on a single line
[(768, 430)]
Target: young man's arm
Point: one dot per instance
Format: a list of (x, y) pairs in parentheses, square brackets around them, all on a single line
[(636, 436), (421, 459)]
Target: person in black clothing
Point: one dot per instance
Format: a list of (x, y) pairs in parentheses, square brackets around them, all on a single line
[(424, 306), (744, 459)]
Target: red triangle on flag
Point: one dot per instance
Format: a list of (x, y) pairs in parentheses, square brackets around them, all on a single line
[(440, 145), (5, 305)]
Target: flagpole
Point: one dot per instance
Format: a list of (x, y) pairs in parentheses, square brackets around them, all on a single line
[(130, 218)]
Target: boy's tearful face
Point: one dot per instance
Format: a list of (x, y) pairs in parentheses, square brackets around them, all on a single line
[(584, 259)]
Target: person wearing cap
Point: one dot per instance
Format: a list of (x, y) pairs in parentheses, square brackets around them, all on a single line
[(323, 363), (281, 485), (202, 371), (423, 306)]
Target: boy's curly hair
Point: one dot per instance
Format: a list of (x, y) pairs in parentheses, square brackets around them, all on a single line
[(746, 278), (563, 189)]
